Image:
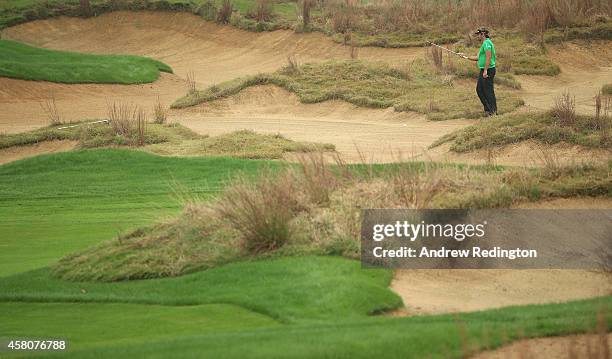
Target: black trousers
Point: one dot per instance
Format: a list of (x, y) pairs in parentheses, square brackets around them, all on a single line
[(486, 92)]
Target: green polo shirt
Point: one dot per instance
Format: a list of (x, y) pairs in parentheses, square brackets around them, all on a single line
[(487, 45)]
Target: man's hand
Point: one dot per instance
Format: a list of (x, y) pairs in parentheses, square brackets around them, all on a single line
[(484, 74)]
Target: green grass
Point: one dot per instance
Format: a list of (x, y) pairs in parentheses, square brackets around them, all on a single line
[(416, 88), (52, 205), (607, 89), (103, 325), (286, 289), (539, 126), (25, 62)]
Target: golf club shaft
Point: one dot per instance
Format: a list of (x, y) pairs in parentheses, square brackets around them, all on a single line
[(451, 51)]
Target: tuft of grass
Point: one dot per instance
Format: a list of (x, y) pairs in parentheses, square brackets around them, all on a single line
[(606, 89), (160, 113), (26, 62), (587, 131), (53, 115), (564, 110), (368, 84)]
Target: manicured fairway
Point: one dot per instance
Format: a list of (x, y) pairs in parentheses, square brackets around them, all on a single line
[(93, 324), (53, 205), (25, 62)]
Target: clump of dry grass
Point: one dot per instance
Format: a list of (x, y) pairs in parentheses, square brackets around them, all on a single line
[(190, 81), (261, 11), (50, 108), (292, 67), (261, 211), (160, 112), (564, 109), (128, 121)]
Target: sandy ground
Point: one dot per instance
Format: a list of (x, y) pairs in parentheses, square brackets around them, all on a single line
[(568, 347), (212, 52), (16, 153), (360, 134), (217, 53), (444, 291)]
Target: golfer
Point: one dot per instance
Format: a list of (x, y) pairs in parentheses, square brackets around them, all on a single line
[(486, 63)]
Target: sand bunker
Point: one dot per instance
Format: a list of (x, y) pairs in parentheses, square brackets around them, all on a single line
[(444, 291), (360, 134), (212, 52), (568, 347), (18, 152), (217, 53)]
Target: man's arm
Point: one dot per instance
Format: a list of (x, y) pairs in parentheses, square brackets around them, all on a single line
[(487, 63)]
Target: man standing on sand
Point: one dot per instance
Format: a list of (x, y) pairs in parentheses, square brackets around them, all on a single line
[(486, 62)]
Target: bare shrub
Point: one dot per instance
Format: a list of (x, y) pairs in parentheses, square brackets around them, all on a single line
[(50, 109), (160, 112), (191, 82), (261, 11), (225, 12), (564, 109), (261, 211)]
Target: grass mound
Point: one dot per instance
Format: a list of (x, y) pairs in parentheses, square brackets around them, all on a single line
[(587, 131), (170, 140), (312, 210), (25, 62), (239, 144), (417, 87), (286, 289)]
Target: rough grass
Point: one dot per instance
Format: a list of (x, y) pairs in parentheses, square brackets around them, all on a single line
[(606, 89), (417, 87), (170, 140), (586, 131), (25, 62), (283, 214), (239, 144)]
